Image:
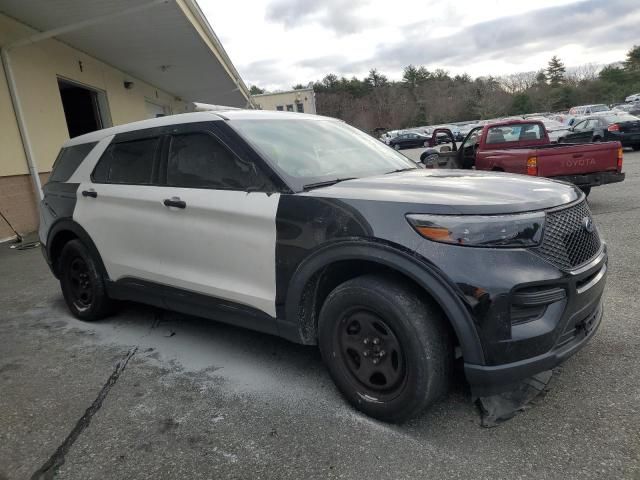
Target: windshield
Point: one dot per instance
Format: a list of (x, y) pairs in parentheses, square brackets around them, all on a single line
[(599, 108), (312, 151)]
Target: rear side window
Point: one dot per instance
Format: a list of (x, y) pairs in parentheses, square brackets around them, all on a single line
[(130, 162), (69, 159), (198, 160)]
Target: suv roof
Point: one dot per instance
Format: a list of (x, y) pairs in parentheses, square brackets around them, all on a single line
[(192, 117)]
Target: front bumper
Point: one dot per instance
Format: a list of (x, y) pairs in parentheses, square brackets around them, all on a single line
[(564, 331), (592, 179), (490, 380)]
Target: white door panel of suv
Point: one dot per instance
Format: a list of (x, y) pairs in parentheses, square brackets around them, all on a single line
[(193, 231)]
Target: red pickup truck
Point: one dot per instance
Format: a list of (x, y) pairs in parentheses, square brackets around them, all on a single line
[(523, 146)]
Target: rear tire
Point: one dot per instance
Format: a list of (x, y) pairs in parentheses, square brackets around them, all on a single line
[(396, 146), (82, 284), (387, 348)]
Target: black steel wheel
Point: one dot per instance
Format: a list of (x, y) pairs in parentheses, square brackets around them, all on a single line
[(388, 350), (82, 283), (370, 351)]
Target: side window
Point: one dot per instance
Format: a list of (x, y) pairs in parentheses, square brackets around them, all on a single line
[(580, 125), (69, 159), (128, 162), (198, 160)]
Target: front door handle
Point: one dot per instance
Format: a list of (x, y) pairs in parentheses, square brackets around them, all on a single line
[(90, 193), (174, 202)]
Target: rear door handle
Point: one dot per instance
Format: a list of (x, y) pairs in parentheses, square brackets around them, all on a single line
[(90, 193), (174, 202)]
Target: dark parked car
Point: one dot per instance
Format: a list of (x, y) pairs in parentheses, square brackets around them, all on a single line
[(408, 140), (304, 227), (623, 128)]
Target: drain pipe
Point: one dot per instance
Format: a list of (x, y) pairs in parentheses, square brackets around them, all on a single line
[(17, 108)]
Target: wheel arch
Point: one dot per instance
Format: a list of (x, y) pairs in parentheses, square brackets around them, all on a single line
[(63, 231), (324, 269)]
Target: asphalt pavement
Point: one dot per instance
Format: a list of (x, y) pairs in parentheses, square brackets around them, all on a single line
[(154, 394)]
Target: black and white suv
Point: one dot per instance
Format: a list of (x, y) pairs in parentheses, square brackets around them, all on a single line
[(303, 227)]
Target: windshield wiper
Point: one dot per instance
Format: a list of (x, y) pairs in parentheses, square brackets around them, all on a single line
[(402, 170), (325, 183)]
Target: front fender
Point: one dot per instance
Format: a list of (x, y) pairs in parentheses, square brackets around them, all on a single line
[(409, 264)]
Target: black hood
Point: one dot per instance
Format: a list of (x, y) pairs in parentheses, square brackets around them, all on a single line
[(456, 191)]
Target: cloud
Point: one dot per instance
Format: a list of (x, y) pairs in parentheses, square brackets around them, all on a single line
[(337, 15), (591, 24), (266, 73)]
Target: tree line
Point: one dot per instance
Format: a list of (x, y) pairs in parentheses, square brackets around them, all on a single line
[(424, 97)]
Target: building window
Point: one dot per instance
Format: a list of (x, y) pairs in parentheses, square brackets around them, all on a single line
[(300, 107), (289, 108), (280, 108)]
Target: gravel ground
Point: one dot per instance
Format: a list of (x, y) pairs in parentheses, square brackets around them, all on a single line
[(204, 400)]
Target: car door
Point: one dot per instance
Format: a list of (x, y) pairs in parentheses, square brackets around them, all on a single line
[(580, 133), (217, 233), (119, 207)]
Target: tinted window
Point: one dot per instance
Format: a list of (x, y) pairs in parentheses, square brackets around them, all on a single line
[(69, 159), (128, 162), (198, 160)]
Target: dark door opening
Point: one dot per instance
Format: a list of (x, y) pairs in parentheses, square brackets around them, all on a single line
[(81, 108)]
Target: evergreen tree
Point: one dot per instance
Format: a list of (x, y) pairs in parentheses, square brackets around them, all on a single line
[(376, 79), (632, 62), (555, 72), (255, 90)]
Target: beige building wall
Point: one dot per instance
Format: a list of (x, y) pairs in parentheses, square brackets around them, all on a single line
[(36, 69), (271, 101)]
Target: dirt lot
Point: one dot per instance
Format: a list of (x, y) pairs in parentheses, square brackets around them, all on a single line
[(203, 400)]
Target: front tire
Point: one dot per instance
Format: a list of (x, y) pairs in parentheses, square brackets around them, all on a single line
[(397, 146), (387, 349), (586, 190), (83, 286), (636, 148)]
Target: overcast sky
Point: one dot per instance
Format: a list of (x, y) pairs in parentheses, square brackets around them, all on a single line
[(278, 43)]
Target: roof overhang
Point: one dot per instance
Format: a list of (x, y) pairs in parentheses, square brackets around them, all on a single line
[(167, 43)]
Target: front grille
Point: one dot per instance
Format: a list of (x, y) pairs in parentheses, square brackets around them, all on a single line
[(566, 242)]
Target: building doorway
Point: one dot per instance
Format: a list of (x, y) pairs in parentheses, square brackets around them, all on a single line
[(85, 109)]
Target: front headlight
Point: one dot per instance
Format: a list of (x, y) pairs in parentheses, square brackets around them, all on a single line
[(522, 230)]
